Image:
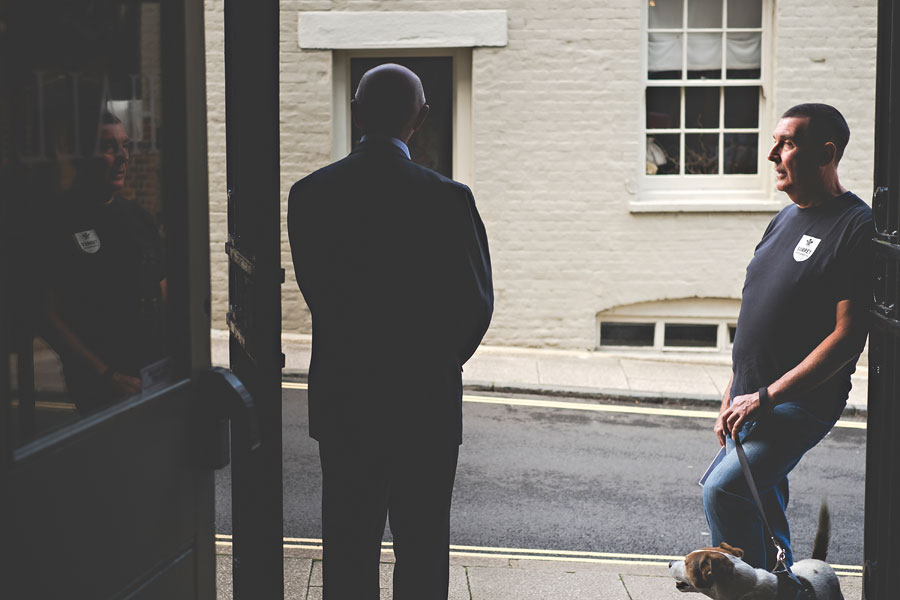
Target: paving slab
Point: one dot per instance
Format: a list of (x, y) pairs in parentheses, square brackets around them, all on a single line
[(488, 583), (582, 371), (671, 377), (720, 375), (651, 587), (223, 577), (296, 577), (467, 560), (502, 369), (459, 584), (851, 587)]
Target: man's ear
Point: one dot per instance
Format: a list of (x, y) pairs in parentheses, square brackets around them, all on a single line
[(420, 118), (355, 114), (829, 152)]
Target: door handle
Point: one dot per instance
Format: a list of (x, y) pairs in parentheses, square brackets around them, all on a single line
[(881, 209), (226, 416)]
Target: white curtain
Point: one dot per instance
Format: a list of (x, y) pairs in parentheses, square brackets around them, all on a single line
[(743, 51)]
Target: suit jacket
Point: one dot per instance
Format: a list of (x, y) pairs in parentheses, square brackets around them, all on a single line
[(392, 259)]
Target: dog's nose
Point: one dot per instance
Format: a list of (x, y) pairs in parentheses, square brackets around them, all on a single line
[(671, 562)]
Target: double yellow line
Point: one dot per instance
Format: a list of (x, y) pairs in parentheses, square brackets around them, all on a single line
[(592, 407)]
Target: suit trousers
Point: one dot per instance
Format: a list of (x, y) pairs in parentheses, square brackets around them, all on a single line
[(410, 484)]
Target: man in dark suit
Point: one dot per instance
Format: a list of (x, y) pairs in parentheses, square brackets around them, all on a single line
[(392, 259)]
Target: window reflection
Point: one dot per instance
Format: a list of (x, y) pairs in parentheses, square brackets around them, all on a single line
[(81, 177), (107, 284)]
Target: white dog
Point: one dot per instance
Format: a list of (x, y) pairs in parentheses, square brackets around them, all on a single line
[(721, 574)]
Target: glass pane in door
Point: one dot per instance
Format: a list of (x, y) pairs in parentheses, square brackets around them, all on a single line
[(81, 177)]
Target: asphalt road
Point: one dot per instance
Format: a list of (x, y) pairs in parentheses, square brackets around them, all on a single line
[(556, 479)]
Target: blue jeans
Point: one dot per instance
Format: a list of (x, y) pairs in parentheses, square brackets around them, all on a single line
[(773, 446)]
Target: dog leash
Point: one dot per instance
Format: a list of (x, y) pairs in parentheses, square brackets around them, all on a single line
[(782, 569)]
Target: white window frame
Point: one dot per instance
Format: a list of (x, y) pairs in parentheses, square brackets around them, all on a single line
[(708, 193), (722, 312), (462, 156), (723, 341)]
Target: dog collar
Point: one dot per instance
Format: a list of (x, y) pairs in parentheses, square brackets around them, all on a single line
[(793, 589)]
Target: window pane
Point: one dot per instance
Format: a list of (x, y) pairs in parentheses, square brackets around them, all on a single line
[(745, 13), (704, 13), (701, 108), (663, 108), (704, 56), (743, 55), (662, 154), (741, 153), (432, 144), (693, 336), (664, 56), (626, 334), (665, 14), (741, 107), (701, 153)]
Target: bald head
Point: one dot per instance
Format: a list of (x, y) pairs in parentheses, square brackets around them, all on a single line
[(389, 101)]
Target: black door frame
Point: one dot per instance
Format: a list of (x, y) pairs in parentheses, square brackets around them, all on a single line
[(882, 513), (255, 277)]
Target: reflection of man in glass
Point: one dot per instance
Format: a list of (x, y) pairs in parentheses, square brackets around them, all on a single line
[(106, 294)]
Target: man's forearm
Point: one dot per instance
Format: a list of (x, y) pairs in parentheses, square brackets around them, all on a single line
[(726, 397), (821, 364), (75, 344), (832, 354)]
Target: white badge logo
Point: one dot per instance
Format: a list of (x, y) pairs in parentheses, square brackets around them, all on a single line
[(88, 241), (805, 247)]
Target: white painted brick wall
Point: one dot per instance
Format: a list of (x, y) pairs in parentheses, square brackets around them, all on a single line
[(556, 120)]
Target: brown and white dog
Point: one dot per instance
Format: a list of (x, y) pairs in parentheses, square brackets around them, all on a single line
[(721, 574)]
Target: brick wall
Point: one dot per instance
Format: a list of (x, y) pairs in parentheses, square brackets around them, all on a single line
[(215, 127), (556, 115)]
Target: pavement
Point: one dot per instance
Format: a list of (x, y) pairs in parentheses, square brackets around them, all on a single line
[(503, 578), (697, 377)]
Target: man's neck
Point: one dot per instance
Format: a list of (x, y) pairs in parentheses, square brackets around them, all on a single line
[(399, 143), (818, 195)]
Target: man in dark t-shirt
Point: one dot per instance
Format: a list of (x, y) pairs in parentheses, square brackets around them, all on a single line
[(800, 331), (107, 284), (106, 293)]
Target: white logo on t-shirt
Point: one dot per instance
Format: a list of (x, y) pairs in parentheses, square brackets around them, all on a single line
[(805, 247), (88, 241)]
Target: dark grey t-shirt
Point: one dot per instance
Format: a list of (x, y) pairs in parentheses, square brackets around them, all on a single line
[(808, 260)]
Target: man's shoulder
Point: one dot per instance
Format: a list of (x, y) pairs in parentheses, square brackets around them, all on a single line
[(857, 208), (322, 175), (431, 177), (355, 170)]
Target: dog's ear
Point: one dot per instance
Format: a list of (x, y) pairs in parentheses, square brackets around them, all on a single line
[(700, 572), (722, 567), (703, 571), (731, 550)]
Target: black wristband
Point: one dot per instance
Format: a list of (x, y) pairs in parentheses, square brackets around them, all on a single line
[(765, 405)]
